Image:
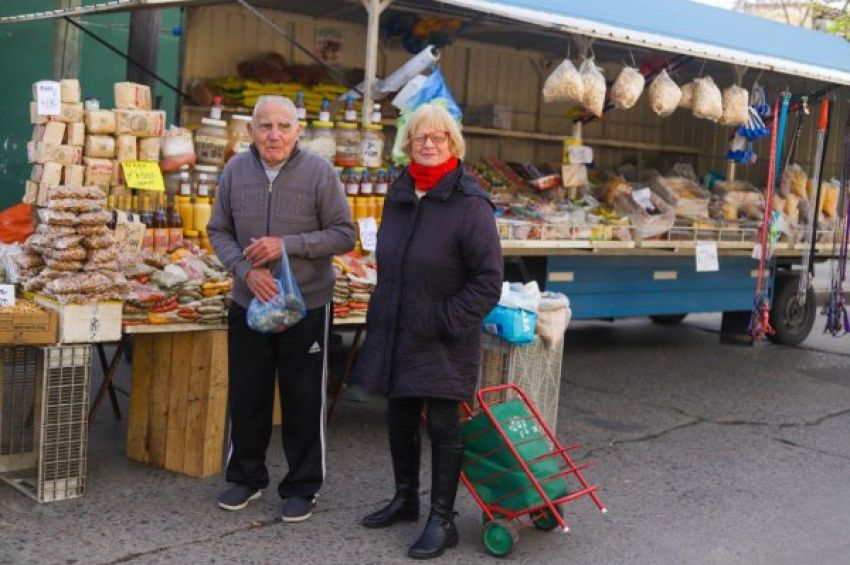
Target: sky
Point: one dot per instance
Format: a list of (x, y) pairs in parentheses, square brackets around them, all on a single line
[(719, 3)]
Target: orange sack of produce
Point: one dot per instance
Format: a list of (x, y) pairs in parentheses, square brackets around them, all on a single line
[(16, 223)]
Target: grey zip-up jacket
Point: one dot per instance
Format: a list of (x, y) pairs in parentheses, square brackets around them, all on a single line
[(305, 204)]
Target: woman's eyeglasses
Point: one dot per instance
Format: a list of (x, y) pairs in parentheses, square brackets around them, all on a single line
[(437, 138)]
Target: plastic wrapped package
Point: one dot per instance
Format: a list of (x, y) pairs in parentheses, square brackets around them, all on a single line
[(593, 80), (177, 149), (52, 230), (627, 88), (687, 99), (97, 267), (126, 148), (27, 260), (70, 254), (829, 198), (745, 204), (67, 241), (93, 192), (647, 223), (794, 181), (791, 209), (79, 283), (99, 241), (98, 171), (59, 265), (664, 95), (92, 230), (503, 226), (141, 123), (557, 226), (736, 106), (57, 217), (708, 101), (100, 146), (553, 317), (74, 204), (103, 255), (39, 241), (100, 122), (98, 218), (574, 176), (132, 96), (149, 148), (564, 84)]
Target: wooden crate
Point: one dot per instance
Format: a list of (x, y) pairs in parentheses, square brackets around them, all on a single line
[(178, 401)]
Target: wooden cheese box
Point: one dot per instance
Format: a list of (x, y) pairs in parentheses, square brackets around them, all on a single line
[(85, 323)]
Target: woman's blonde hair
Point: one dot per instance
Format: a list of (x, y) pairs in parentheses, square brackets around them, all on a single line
[(435, 118)]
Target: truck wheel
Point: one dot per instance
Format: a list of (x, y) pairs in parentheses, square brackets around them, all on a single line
[(667, 319), (791, 320)]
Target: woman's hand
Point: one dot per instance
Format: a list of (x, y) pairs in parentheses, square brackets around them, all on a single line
[(264, 250), (262, 283)]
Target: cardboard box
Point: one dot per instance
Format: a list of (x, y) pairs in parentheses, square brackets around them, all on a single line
[(75, 134), (100, 146), (54, 132), (71, 113), (149, 149), (488, 116), (126, 148), (31, 328), (43, 152), (100, 121), (85, 323), (35, 117), (51, 174), (140, 123), (73, 175), (99, 172), (70, 90)]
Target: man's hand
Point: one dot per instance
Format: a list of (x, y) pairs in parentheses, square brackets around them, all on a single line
[(262, 284), (263, 250)]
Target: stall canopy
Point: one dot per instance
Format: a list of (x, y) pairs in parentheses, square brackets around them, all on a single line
[(676, 26)]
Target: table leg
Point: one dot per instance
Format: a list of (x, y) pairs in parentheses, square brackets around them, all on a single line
[(113, 399), (349, 366), (106, 385)]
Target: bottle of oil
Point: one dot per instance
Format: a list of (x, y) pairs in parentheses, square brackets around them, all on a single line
[(175, 228)]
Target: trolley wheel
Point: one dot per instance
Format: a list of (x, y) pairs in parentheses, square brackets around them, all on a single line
[(667, 319), (499, 538), (791, 320), (545, 520)]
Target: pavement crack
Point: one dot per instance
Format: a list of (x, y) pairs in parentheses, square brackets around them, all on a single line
[(646, 437), (794, 444), (816, 421)]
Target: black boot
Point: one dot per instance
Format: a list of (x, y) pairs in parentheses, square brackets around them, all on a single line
[(404, 506), (440, 532)]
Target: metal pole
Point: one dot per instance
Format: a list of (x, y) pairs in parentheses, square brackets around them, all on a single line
[(374, 9), (66, 45), (143, 47)]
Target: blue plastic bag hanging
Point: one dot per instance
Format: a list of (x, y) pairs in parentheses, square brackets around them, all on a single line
[(434, 90), (283, 311)]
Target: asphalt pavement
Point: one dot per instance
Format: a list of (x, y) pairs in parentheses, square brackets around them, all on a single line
[(704, 453)]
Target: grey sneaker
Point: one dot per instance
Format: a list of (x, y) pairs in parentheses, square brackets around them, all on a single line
[(237, 497), (297, 509)]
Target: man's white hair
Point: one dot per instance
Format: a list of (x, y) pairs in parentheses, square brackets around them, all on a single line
[(268, 99)]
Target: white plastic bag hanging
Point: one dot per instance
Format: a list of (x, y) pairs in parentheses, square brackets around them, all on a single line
[(708, 101), (664, 94), (553, 317), (627, 88), (518, 295), (564, 84), (687, 99), (736, 106), (593, 96)]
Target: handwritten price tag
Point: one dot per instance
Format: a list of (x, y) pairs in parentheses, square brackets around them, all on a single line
[(143, 175), (368, 234), (7, 295), (48, 97), (706, 255)]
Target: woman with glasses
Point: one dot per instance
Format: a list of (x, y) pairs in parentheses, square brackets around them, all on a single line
[(439, 274)]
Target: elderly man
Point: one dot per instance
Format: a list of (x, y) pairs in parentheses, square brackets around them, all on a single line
[(273, 199)]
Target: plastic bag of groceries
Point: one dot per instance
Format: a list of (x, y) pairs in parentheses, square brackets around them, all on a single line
[(708, 101), (593, 96), (627, 88), (515, 317), (687, 99), (736, 106), (564, 84), (553, 317), (664, 95), (284, 310)]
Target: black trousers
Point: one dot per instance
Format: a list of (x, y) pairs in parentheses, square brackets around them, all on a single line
[(442, 421), (298, 359)]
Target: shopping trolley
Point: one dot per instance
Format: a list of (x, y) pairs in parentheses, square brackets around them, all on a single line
[(516, 470)]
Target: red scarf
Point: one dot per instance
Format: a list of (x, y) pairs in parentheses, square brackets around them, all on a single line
[(425, 178)]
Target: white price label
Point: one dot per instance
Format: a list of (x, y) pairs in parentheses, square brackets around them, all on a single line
[(7, 295), (580, 155), (368, 234), (48, 97), (706, 256), (757, 252)]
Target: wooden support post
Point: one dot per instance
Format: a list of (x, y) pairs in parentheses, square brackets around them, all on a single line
[(66, 45), (143, 46)]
